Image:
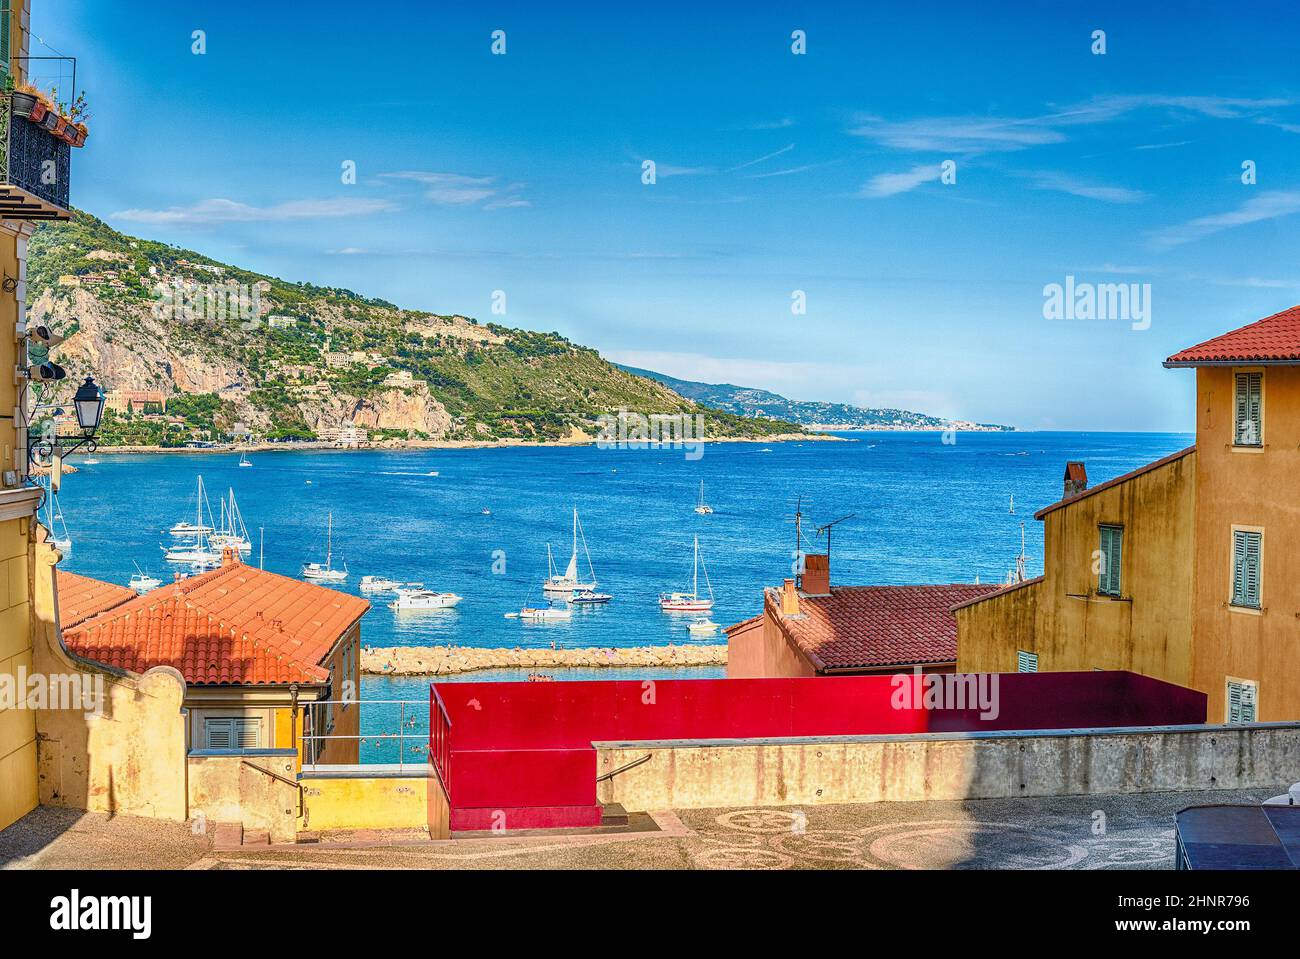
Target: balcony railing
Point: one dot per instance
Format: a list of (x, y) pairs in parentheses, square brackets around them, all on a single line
[(35, 168)]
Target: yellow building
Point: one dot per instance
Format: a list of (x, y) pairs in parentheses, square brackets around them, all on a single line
[(34, 165), (1188, 569)]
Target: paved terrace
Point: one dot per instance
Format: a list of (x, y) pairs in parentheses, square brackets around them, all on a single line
[(1055, 833)]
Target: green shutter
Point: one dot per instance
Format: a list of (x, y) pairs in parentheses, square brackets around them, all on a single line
[(1112, 560), (1250, 410), (1247, 549), (1241, 702), (5, 17)]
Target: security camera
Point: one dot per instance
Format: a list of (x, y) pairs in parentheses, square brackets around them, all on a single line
[(44, 335), (46, 372)]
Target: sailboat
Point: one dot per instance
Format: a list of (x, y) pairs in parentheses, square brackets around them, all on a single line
[(690, 602), (325, 572), (243, 459), (232, 533), (198, 552), (703, 508), (55, 523), (568, 583)]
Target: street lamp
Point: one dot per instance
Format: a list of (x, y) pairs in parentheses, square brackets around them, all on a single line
[(89, 401)]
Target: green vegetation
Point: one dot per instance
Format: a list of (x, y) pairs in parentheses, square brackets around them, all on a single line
[(332, 355)]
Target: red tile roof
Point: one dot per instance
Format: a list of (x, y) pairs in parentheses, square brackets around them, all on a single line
[(1274, 339), (81, 597), (1124, 478), (236, 625), (869, 627)]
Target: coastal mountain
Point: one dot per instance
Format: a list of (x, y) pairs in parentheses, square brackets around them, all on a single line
[(194, 349), (755, 403)]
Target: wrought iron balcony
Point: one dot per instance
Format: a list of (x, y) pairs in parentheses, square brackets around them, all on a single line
[(35, 167)]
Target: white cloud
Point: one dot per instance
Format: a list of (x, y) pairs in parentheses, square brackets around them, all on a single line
[(1064, 183), (457, 189), (229, 211), (767, 156), (891, 184), (1258, 209)]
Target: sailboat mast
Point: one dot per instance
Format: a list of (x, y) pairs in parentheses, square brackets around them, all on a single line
[(329, 540), (695, 585)]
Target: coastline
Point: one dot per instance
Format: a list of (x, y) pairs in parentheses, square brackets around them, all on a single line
[(447, 660), (398, 446)]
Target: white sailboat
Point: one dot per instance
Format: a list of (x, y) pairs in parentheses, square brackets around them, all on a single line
[(55, 523), (243, 459), (325, 572), (690, 602), (232, 533), (568, 583), (703, 508), (198, 552)]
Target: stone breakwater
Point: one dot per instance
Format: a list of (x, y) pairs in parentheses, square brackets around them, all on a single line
[(444, 660)]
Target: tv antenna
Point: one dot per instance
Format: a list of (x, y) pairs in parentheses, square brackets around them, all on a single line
[(826, 531)]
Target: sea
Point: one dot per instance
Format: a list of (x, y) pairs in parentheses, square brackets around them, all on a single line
[(892, 507)]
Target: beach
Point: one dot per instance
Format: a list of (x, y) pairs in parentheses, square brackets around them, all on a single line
[(444, 660)]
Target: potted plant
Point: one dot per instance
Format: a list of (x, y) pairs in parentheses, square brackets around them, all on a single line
[(27, 100)]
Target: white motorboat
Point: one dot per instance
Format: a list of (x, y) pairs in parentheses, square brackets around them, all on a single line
[(142, 582), (378, 584), (325, 572), (691, 602), (567, 584), (703, 626), (423, 599), (703, 508), (542, 613), (587, 597), (190, 529)]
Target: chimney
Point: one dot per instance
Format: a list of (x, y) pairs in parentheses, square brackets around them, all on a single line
[(816, 579), (1076, 478), (789, 599), (229, 557)]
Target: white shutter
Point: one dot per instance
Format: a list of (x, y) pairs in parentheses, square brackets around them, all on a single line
[(1249, 408), (1026, 662)]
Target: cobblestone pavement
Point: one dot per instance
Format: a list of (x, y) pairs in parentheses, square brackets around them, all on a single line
[(1098, 832)]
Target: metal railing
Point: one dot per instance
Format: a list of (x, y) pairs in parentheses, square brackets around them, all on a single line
[(411, 738)]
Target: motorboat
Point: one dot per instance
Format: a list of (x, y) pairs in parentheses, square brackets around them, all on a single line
[(423, 599)]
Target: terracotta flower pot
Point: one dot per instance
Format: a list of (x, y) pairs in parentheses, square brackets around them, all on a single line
[(51, 120), (78, 135), (39, 112)]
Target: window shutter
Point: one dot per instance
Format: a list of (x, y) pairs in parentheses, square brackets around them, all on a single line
[(1247, 551), (1112, 557), (1026, 662), (231, 733), (1241, 702), (1248, 702), (5, 18), (1234, 702), (218, 733), (1250, 407)]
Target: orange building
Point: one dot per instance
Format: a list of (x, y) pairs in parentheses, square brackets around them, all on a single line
[(255, 649), (1187, 570)]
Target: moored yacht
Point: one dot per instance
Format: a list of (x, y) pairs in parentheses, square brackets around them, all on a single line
[(691, 602)]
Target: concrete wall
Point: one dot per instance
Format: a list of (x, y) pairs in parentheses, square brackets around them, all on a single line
[(366, 797), (1255, 488), (1147, 629), (130, 759), (232, 787), (685, 775)]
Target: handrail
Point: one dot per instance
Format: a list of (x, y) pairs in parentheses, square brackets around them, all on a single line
[(274, 775), (440, 740), (624, 768)]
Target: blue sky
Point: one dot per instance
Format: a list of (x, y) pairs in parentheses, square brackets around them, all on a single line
[(776, 172)]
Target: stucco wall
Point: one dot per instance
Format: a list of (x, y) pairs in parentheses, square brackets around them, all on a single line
[(17, 725), (366, 797), (1148, 629), (947, 766), (131, 758), (233, 788), (1254, 488), (760, 650)]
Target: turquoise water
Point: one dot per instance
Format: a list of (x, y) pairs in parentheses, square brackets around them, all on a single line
[(924, 512)]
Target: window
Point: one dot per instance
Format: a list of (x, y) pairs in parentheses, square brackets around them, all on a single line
[(1026, 662), (232, 733), (4, 40), (1250, 410), (1242, 696), (1110, 560), (1246, 548)]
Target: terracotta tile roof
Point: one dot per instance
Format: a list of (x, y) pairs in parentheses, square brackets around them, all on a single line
[(865, 627), (1274, 339), (81, 597), (236, 625), (1124, 478)]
